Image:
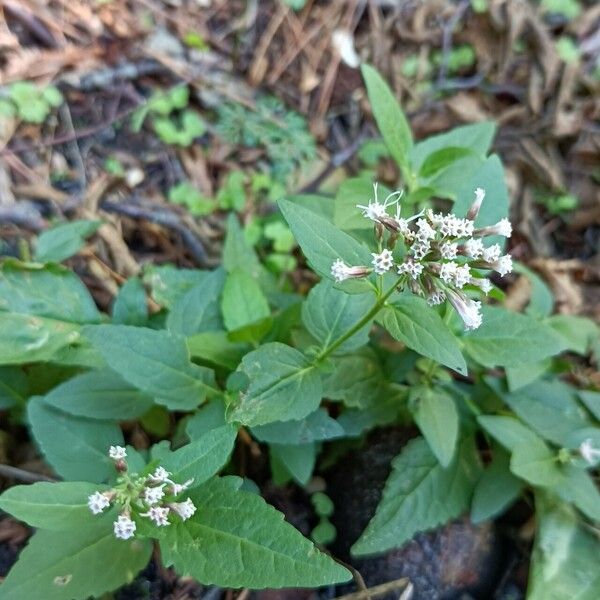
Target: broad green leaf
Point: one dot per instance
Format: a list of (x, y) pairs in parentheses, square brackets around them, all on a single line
[(541, 303), (243, 301), (56, 506), (261, 549), (592, 401), (283, 386), (578, 487), (156, 362), (356, 421), (328, 313), (565, 556), (536, 463), (321, 242), (550, 409), (237, 253), (508, 431), (419, 495), (509, 339), (76, 563), (441, 159), (322, 205), (497, 489), (390, 119), (100, 394), (64, 240), (130, 306), (437, 418), (208, 417), (412, 322), (477, 138), (14, 387), (49, 291), (75, 447), (168, 283), (578, 332), (197, 310), (317, 426), (297, 460), (201, 459), (520, 376), (216, 347)]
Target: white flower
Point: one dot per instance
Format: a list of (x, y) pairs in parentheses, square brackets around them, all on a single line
[(474, 209), (97, 502), (124, 527), (436, 298), (468, 310), (177, 488), (340, 271), (374, 210), (184, 509), (448, 250), (153, 495), (426, 232), (448, 225), (436, 219), (403, 227), (503, 265), (420, 249), (590, 454), (382, 262), (462, 276), (473, 248), (491, 254), (158, 515), (117, 452), (448, 271), (463, 228), (485, 285), (413, 268), (502, 227), (160, 475)]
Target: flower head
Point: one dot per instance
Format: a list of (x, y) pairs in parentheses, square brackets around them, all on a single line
[(468, 310), (117, 452), (435, 298), (340, 271), (474, 208), (491, 254), (97, 502), (160, 475), (383, 261), (159, 515), (473, 247), (153, 495), (184, 509), (124, 527), (449, 250), (177, 488), (590, 454)]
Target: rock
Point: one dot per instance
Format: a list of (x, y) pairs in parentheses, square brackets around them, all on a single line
[(458, 560)]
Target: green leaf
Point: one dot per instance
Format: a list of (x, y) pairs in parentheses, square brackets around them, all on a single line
[(100, 395), (208, 417), (54, 506), (198, 309), (354, 191), (578, 487), (243, 301), (45, 291), (391, 121), (441, 159), (284, 386), (156, 362), (508, 431), (510, 339), (419, 495), (262, 550), (168, 283), (321, 242), (14, 387), (412, 322), (76, 563), (203, 458), (328, 313), (237, 253), (592, 401), (565, 555), (52, 96), (577, 332), (536, 463), (216, 348), (64, 240), (522, 375), (317, 426), (437, 418), (497, 489), (130, 306), (298, 460), (75, 447)]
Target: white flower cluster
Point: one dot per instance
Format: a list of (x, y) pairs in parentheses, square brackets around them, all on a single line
[(153, 497), (443, 254)]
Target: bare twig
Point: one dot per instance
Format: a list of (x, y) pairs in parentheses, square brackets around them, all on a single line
[(22, 475)]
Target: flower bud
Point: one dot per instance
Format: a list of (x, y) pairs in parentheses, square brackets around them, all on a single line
[(474, 208)]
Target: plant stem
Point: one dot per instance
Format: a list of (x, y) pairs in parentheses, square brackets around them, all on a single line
[(370, 315)]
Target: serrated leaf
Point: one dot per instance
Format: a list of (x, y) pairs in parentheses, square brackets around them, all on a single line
[(437, 418), (409, 320), (130, 306), (317, 426), (201, 459), (55, 506), (100, 394), (510, 339), (390, 118), (419, 495), (76, 563), (75, 447), (262, 550), (284, 386), (156, 362), (243, 301), (197, 310), (47, 291), (321, 242), (64, 240)]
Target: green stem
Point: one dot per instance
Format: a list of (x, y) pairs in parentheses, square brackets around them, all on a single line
[(368, 316)]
